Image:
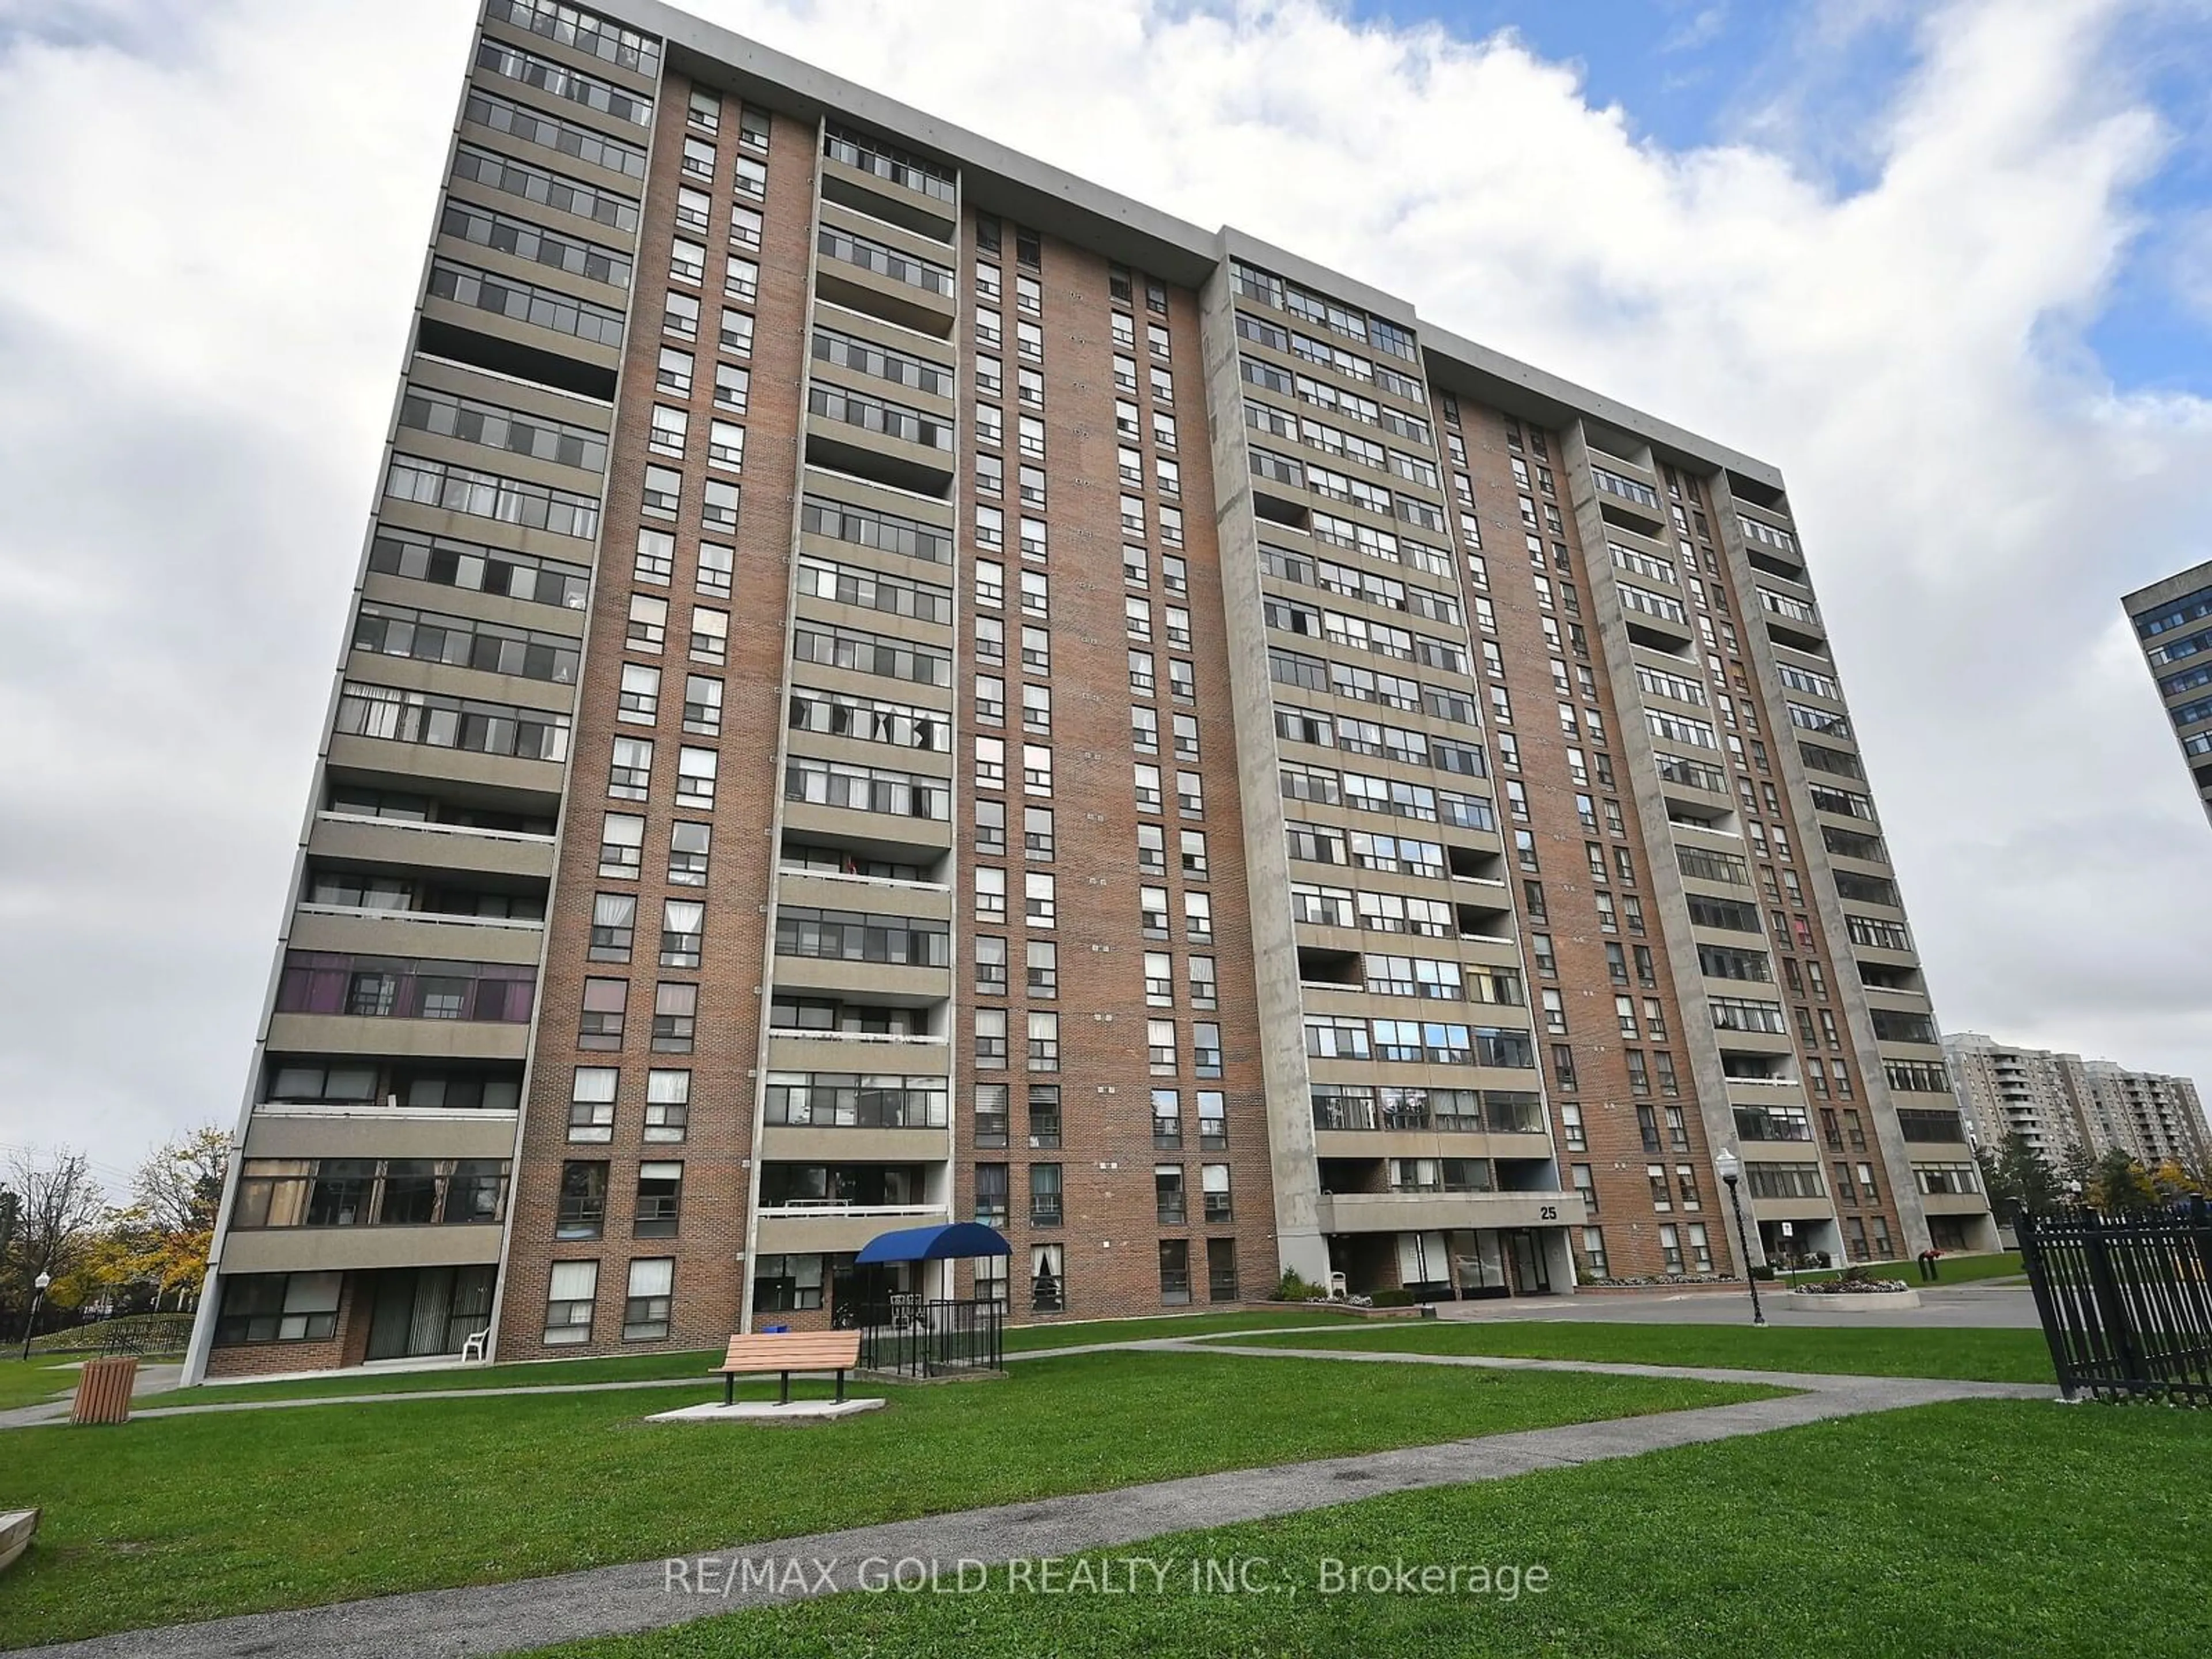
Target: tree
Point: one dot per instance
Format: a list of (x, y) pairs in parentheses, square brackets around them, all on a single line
[(2171, 1181), (162, 1236), (60, 1209), (2018, 1177), (2122, 1187), (2077, 1170)]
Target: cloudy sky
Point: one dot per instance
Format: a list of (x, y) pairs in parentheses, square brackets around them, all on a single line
[(1948, 264)]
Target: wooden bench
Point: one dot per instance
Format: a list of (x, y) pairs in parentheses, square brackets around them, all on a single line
[(785, 1352)]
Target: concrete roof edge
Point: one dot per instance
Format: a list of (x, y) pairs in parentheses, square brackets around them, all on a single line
[(2166, 588), (1172, 248), (1491, 368)]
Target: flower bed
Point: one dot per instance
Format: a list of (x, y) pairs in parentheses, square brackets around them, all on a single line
[(1849, 1286)]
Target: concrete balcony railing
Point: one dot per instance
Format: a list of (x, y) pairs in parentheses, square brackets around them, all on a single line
[(836, 1228), (1409, 1212)]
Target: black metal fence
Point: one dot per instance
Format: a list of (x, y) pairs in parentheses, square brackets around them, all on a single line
[(2126, 1302), (915, 1338)]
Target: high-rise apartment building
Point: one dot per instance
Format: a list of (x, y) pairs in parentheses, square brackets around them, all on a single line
[(2063, 1103), (2172, 620), (889, 684)]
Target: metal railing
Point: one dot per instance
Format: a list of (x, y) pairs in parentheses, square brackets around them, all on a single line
[(2125, 1302), (915, 1338)]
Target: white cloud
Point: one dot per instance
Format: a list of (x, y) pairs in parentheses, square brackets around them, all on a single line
[(213, 221)]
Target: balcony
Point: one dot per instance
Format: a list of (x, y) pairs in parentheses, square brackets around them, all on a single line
[(1921, 1126), (338, 1003), (1754, 1124), (411, 844), (363, 930), (279, 1130), (807, 1229), (864, 265), (1391, 1212), (318, 1215), (863, 173)]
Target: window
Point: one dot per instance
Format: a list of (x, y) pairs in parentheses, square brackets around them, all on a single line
[(1175, 1252), (702, 705), (696, 771), (990, 893), (1039, 900), (1045, 1203), (639, 701), (667, 1105), (710, 633), (605, 1003), (645, 1306), (675, 1017), (648, 623), (991, 827), (1213, 1120), (1204, 990), (683, 927), (1044, 1116), (1198, 918), (582, 1209), (688, 846), (659, 1200), (991, 1039), (1213, 1185), (1206, 1048), (568, 1299), (670, 427), (991, 1119), (1043, 968), (1167, 1107), (990, 953), (591, 1104), (622, 844), (614, 927)]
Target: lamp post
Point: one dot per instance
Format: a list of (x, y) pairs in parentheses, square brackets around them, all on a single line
[(1731, 1171), (38, 1294)]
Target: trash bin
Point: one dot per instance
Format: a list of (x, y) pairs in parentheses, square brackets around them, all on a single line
[(103, 1391)]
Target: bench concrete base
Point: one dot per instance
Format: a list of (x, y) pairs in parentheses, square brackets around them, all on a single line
[(17, 1526), (1861, 1302), (767, 1411)]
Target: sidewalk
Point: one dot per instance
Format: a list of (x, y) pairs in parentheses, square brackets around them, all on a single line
[(1975, 1304), (501, 1619), (150, 1380)]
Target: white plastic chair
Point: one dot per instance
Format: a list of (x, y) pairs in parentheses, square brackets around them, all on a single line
[(472, 1350)]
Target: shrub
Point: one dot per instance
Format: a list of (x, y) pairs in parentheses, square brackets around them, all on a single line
[(1765, 1270), (1295, 1288), (1393, 1298)]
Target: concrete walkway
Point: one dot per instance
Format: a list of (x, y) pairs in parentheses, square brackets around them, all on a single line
[(1983, 1304), (500, 1619), (150, 1380)]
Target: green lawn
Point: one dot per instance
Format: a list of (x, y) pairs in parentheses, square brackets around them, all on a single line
[(695, 1363), (191, 1517), (1955, 1269), (43, 1378), (1986, 1526), (1989, 1356), (1023, 1338), (680, 1365)]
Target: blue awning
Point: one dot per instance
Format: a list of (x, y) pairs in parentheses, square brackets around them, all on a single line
[(962, 1239)]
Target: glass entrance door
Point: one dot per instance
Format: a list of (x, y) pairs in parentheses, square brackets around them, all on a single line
[(1531, 1275)]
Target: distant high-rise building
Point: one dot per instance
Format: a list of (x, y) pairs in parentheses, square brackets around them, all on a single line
[(2173, 621), (2062, 1101), (1221, 776)]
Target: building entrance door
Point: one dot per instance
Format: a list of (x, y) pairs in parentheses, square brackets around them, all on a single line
[(1531, 1274)]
